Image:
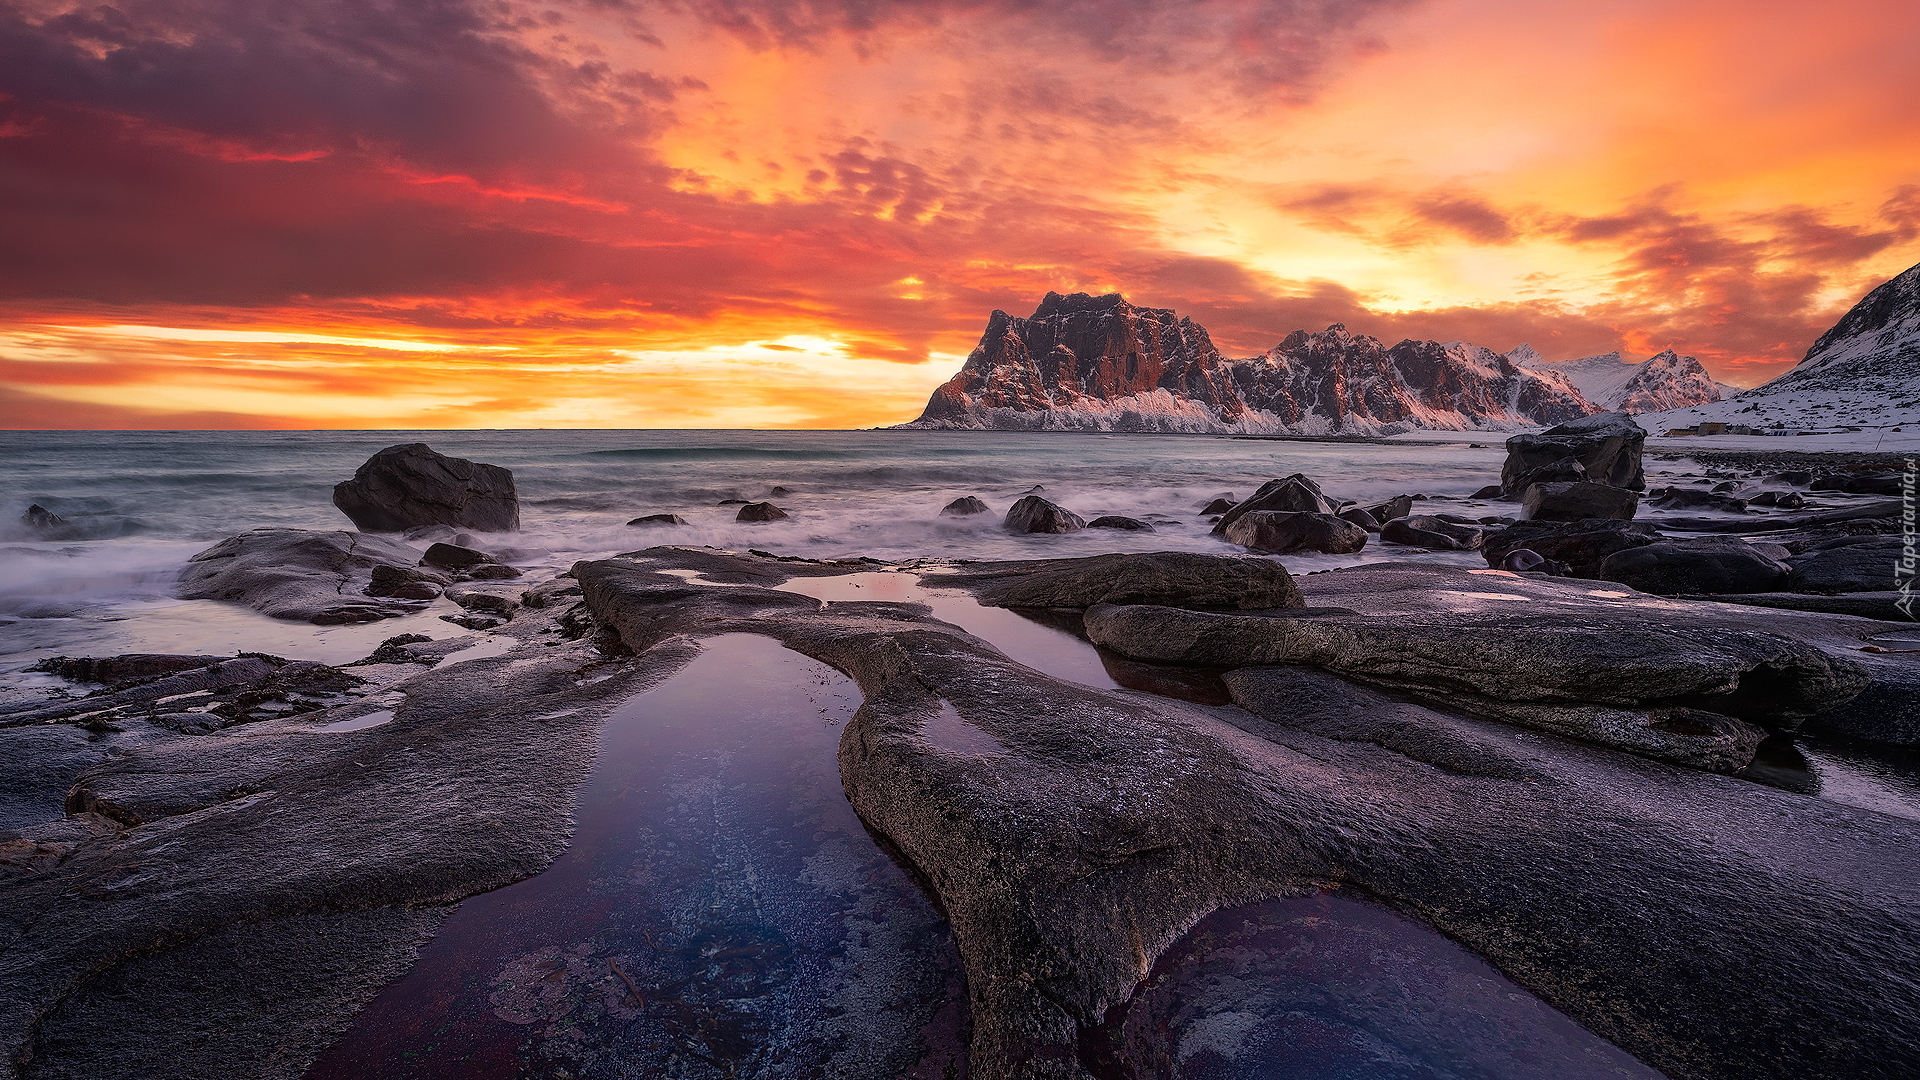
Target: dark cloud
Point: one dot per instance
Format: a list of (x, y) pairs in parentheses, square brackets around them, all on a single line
[(1466, 214)]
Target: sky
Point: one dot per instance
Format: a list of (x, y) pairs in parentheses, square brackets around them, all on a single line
[(799, 213)]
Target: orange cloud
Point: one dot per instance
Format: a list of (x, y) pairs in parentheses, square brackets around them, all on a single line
[(743, 212)]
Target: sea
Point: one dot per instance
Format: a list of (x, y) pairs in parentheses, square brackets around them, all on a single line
[(140, 504)]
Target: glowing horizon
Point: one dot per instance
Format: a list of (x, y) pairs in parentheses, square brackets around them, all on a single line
[(744, 213)]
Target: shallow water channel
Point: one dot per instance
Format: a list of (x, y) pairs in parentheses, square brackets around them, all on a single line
[(720, 912)]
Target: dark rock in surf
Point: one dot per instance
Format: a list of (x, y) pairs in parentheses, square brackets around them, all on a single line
[(454, 557), (1432, 533), (1607, 446), (406, 583), (1707, 565), (1034, 514), (1491, 491), (659, 519), (1280, 532), (41, 519), (406, 486), (1387, 509), (318, 577), (1858, 483), (1577, 502), (1581, 545), (760, 511), (1359, 517), (965, 506), (1218, 506), (1167, 578), (1780, 500), (1295, 493), (1526, 561), (481, 600), (1115, 521), (491, 572)]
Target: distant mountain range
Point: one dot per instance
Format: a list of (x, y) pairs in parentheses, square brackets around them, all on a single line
[(1865, 372), (1098, 363)]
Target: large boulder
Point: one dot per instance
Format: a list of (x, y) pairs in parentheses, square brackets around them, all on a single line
[(1699, 697), (1034, 514), (1578, 502), (1581, 545), (754, 512), (1386, 509), (1701, 566), (1296, 493), (1278, 532), (1433, 533), (1167, 578), (406, 486), (964, 506), (1607, 447), (1846, 564), (318, 577)]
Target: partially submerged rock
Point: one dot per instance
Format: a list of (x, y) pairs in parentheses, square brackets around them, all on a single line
[(406, 486), (1034, 514), (1679, 498), (1607, 447), (659, 519), (1117, 521), (1578, 502), (316, 577), (1278, 532), (1293, 493), (760, 511), (964, 506), (406, 583)]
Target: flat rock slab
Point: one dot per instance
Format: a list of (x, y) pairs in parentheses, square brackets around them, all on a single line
[(1174, 578), (316, 577)]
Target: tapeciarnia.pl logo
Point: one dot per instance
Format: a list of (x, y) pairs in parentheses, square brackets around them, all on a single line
[(1904, 568)]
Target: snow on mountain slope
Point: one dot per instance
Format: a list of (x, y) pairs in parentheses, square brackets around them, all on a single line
[(1864, 372), (1098, 363), (1664, 381)]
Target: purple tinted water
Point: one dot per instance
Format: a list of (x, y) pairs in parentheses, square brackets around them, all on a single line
[(720, 912), (1325, 987)]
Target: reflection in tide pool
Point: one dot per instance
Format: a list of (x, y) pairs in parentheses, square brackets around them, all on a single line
[(721, 912), (1327, 988)]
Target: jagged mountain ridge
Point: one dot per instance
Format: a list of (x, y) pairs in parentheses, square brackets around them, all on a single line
[(1863, 372), (1666, 380), (1099, 363)]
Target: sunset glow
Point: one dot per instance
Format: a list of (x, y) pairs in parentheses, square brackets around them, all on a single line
[(749, 213)]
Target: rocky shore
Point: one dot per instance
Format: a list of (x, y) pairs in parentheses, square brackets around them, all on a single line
[(210, 865)]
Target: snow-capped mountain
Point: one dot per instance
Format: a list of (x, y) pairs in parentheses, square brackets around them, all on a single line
[(1664, 381), (1864, 372), (1098, 363)]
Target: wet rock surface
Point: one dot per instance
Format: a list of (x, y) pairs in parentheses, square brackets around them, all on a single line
[(1117, 521), (1073, 837), (760, 511), (964, 506), (408, 486), (316, 577), (1295, 493)]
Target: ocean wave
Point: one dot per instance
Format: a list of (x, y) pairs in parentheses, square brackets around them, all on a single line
[(719, 453)]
